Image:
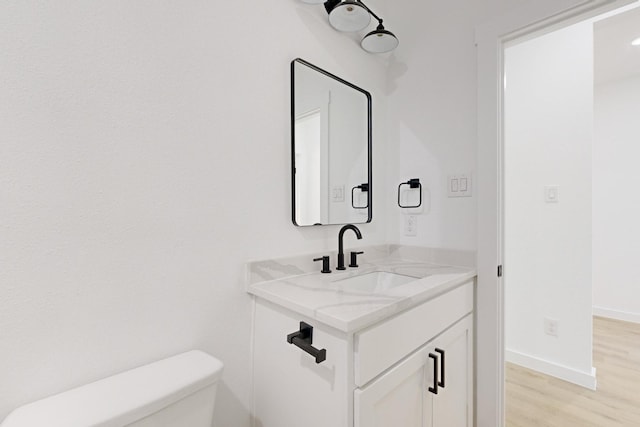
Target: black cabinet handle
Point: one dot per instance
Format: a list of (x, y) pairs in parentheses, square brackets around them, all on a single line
[(434, 389), (303, 339), (441, 382)]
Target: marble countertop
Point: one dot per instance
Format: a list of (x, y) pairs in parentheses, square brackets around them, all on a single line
[(325, 298)]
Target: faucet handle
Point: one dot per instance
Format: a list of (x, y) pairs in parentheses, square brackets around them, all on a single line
[(325, 263), (354, 258)]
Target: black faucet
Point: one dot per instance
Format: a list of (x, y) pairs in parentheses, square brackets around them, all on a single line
[(341, 246)]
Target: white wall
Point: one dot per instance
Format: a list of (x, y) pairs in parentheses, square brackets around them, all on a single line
[(432, 119), (548, 116), (432, 115), (616, 200), (131, 137), (144, 157)]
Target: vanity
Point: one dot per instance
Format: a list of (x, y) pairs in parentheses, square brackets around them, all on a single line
[(389, 343), (386, 341)]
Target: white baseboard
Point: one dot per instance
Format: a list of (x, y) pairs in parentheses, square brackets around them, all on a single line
[(616, 314), (584, 379)]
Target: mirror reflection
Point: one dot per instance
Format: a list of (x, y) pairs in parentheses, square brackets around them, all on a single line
[(331, 148)]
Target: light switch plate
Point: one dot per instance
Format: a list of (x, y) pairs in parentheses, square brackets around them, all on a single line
[(459, 185), (337, 193), (551, 193)]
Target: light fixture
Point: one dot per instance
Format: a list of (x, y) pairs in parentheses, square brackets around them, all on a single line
[(354, 15), (636, 42), (348, 15), (379, 40)]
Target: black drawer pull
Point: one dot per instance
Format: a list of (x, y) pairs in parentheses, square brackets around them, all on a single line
[(441, 382), (434, 389), (303, 339)]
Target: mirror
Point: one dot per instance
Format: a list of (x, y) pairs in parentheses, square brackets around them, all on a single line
[(330, 148)]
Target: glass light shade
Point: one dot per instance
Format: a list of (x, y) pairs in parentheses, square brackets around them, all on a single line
[(379, 41), (636, 42), (349, 16)]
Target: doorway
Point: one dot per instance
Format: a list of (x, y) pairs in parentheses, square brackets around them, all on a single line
[(570, 135), (547, 208), (526, 22)]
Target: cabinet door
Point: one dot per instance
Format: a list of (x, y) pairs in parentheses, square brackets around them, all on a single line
[(290, 389), (453, 404), (397, 398)]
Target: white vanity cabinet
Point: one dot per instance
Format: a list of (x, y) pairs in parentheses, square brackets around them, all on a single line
[(377, 376), (431, 387), (453, 405)]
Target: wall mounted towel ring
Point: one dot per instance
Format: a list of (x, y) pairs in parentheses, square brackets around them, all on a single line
[(413, 183), (363, 188)]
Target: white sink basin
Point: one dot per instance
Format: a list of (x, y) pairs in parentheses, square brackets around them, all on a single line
[(376, 281)]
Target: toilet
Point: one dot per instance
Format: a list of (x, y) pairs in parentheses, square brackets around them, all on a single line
[(175, 392)]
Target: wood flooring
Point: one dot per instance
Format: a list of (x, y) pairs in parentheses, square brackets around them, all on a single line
[(534, 399)]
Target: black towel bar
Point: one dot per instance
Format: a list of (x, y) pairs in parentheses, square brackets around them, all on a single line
[(303, 339)]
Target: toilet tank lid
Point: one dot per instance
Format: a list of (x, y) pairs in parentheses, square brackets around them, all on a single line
[(123, 398)]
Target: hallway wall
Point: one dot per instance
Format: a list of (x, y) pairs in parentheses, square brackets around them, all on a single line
[(548, 129), (616, 200)]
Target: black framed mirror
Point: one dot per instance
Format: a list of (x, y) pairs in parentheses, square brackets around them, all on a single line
[(330, 148)]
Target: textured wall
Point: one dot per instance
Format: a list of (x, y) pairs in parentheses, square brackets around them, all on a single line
[(144, 157)]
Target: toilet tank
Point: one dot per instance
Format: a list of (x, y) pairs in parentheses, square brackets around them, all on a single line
[(178, 391)]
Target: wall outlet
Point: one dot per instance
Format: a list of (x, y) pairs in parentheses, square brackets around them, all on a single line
[(551, 327), (410, 225)]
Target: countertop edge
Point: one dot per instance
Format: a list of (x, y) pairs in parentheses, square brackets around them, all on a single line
[(368, 319), (372, 318)]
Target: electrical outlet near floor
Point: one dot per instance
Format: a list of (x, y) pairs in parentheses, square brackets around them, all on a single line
[(410, 225), (551, 327)]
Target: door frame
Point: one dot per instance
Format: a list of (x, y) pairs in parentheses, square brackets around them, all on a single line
[(532, 19)]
